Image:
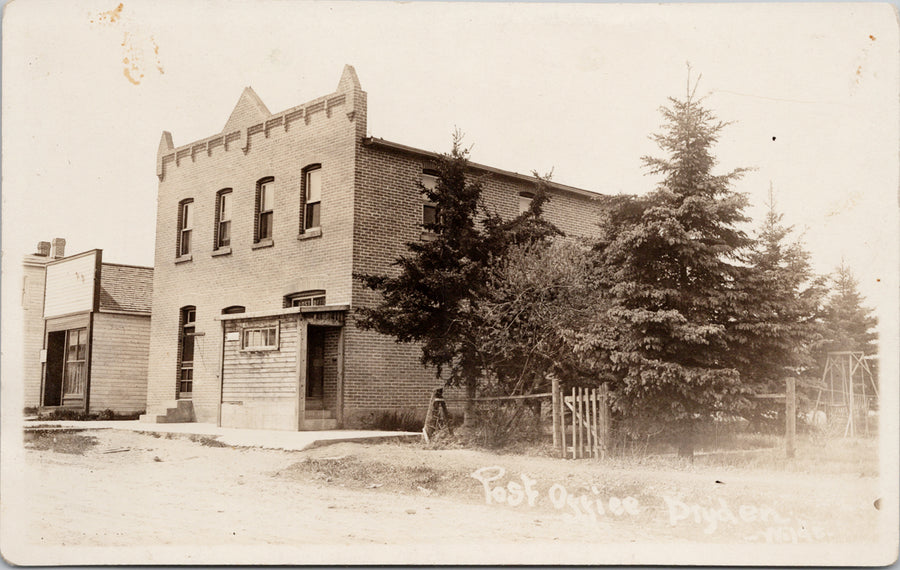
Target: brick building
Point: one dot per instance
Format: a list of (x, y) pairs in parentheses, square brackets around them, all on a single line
[(260, 229), (95, 333)]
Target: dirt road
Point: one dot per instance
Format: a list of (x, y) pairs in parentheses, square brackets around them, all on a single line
[(137, 498)]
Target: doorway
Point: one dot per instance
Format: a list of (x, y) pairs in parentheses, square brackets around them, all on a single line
[(66, 369), (315, 371)]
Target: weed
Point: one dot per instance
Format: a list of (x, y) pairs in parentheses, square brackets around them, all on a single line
[(207, 441), (402, 420), (64, 414), (59, 441)]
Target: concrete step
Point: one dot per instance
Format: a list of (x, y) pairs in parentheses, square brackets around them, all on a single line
[(319, 414), (172, 412), (319, 424), (314, 404)]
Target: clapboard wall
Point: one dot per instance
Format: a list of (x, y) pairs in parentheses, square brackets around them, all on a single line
[(259, 388), (119, 360)]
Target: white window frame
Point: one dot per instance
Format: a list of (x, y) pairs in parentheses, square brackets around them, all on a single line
[(186, 227), (298, 299), (220, 209), (312, 202), (245, 331)]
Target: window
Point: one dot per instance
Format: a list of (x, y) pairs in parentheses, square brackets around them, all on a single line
[(429, 209), (185, 226), (76, 356), (525, 199), (223, 218), (187, 331), (305, 299), (260, 338), (233, 310), (265, 204), (312, 182), (429, 214)]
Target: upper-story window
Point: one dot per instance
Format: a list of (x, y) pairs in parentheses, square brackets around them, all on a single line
[(312, 182), (305, 299), (525, 199), (223, 218), (265, 206), (429, 209), (185, 226)]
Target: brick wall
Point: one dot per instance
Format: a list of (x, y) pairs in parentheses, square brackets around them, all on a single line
[(256, 278), (380, 373), (371, 206)]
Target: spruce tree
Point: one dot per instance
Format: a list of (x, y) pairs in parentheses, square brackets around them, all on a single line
[(779, 327), (849, 325), (434, 297), (668, 263)]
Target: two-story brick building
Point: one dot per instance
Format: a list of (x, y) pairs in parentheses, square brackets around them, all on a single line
[(260, 229)]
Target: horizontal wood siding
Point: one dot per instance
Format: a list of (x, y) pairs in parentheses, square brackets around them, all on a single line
[(260, 375), (119, 361), (33, 331), (70, 286)]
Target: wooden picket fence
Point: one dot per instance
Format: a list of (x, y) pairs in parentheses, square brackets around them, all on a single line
[(588, 412)]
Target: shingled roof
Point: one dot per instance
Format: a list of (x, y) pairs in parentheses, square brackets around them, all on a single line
[(126, 288)]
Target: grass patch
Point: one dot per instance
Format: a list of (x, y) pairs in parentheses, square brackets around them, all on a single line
[(63, 414), (59, 441), (393, 420), (208, 441), (350, 471)]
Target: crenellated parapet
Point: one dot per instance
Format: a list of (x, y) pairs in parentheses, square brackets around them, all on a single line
[(251, 120)]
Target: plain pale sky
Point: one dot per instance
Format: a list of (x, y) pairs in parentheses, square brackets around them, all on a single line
[(812, 89)]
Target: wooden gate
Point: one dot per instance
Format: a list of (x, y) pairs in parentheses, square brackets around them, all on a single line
[(588, 413)]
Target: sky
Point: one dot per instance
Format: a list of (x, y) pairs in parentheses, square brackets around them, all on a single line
[(811, 89)]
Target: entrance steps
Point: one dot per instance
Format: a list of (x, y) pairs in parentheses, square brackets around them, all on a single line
[(318, 420), (173, 412)]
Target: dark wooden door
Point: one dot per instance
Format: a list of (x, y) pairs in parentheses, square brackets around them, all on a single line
[(56, 358), (315, 372)]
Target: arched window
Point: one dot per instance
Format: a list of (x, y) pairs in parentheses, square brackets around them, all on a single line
[(305, 299), (265, 209), (222, 230), (185, 227), (187, 328), (312, 197), (234, 310)]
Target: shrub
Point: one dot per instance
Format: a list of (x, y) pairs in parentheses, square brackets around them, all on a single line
[(398, 420), (500, 425)]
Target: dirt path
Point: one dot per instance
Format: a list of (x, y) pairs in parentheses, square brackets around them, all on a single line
[(182, 498)]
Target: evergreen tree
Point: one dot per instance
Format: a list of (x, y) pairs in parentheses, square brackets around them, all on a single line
[(849, 325), (434, 299), (779, 328), (668, 264)]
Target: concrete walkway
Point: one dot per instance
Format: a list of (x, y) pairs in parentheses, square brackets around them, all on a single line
[(269, 439)]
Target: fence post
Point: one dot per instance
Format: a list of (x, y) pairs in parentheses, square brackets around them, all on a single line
[(604, 420), (790, 405), (554, 404), (574, 425), (562, 421)]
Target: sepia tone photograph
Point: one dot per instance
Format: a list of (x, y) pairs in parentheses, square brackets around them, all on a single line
[(450, 283)]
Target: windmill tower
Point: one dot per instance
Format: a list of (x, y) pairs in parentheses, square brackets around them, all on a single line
[(848, 391)]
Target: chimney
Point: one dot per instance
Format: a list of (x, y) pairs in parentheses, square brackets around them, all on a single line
[(59, 248), (43, 248)]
